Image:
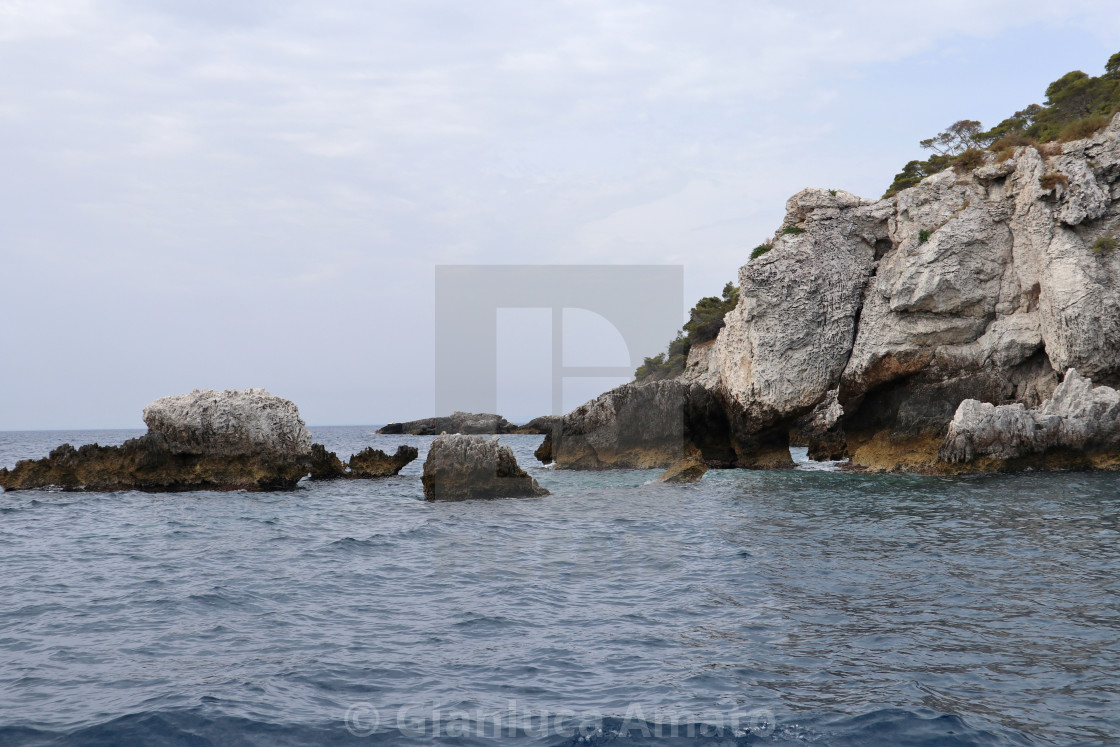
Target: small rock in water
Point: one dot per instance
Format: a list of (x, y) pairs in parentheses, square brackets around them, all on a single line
[(691, 468), (464, 467), (371, 462)]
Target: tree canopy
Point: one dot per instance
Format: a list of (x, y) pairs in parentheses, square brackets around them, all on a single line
[(703, 325)]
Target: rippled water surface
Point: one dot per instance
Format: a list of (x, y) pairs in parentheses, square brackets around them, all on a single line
[(806, 606)]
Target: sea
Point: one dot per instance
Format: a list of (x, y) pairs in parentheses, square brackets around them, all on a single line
[(809, 606)]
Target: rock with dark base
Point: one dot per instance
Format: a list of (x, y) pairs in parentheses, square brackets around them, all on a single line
[(464, 467), (653, 425), (233, 440), (1077, 428), (325, 465), (366, 464)]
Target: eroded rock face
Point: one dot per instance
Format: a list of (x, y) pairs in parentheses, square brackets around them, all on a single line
[(462, 467), (786, 343), (371, 462), (249, 421), (457, 422), (1079, 427), (248, 440), (325, 465), (980, 285), (653, 425)]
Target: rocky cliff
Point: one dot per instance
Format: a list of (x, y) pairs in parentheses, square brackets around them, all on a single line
[(870, 321)]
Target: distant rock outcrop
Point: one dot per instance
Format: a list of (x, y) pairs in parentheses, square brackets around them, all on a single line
[(457, 422), (462, 467), (1077, 428), (205, 440), (538, 426)]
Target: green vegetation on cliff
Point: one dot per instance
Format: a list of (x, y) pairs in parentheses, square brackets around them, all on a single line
[(704, 323), (1077, 105)]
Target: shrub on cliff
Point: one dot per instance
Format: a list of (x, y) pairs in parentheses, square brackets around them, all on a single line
[(1105, 245), (915, 171), (761, 249), (968, 160), (704, 323), (1052, 179)]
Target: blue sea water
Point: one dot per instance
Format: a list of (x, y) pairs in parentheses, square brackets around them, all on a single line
[(795, 607)]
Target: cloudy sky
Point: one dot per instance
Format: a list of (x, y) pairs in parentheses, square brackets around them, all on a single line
[(224, 193)]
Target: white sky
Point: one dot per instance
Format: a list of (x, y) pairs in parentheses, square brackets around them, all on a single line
[(229, 194)]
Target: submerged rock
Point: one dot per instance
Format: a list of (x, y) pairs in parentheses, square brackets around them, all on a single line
[(1079, 427), (463, 467), (690, 468), (456, 422), (205, 440)]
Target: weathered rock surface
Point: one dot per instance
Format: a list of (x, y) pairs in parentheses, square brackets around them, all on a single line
[(653, 425), (370, 462), (200, 441), (457, 422), (462, 467), (249, 421), (1079, 427), (786, 343), (367, 463), (981, 285), (325, 465)]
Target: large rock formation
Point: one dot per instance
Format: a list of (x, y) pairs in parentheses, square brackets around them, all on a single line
[(456, 422), (463, 467), (205, 440), (869, 322), (651, 426), (1079, 427)]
